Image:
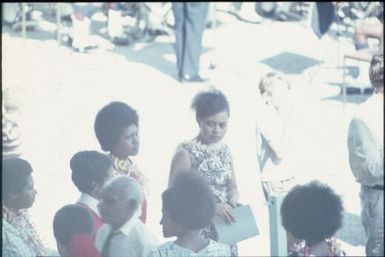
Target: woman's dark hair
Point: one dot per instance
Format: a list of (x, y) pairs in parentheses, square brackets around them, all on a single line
[(89, 167), (376, 71), (312, 212), (15, 175), (110, 122), (209, 103), (189, 201), (70, 220)]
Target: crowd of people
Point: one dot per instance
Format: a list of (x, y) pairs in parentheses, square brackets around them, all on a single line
[(109, 218)]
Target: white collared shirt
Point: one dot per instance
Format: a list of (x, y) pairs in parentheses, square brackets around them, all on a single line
[(365, 142), (89, 201), (132, 240)]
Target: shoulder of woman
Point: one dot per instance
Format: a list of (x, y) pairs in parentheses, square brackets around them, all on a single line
[(181, 153), (186, 144), (227, 148)]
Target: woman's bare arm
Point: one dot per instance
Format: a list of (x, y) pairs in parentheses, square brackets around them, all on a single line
[(180, 164)]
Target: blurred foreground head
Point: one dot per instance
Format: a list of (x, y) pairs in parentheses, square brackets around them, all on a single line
[(188, 204), (73, 228), (312, 212)]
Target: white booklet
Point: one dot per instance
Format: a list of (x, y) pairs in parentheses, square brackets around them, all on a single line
[(243, 228)]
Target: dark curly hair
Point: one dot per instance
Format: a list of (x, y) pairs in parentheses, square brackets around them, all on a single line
[(72, 219), (376, 71), (110, 122), (15, 172), (312, 212), (189, 201), (209, 103), (89, 167)]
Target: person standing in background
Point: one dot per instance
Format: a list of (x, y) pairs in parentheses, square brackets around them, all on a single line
[(275, 132), (366, 158), (190, 21)]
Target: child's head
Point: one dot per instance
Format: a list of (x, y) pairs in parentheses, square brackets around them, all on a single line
[(73, 228), (90, 171), (188, 205), (275, 89), (312, 212)]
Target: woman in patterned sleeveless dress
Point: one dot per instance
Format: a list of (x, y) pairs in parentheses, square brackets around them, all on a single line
[(116, 128), (210, 157)]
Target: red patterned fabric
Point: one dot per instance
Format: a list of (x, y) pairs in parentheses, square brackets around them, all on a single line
[(126, 167), (98, 222), (82, 245)]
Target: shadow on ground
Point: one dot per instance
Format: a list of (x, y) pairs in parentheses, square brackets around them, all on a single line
[(353, 94), (151, 53), (290, 63)]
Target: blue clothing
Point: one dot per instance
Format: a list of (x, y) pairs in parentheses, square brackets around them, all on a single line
[(13, 244)]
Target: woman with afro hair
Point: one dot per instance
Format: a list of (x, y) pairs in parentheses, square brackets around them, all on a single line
[(117, 130), (312, 213)]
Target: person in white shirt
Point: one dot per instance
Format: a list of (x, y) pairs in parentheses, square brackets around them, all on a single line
[(275, 131), (366, 158), (123, 234)]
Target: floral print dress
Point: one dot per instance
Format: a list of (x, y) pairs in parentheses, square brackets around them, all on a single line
[(21, 222), (301, 250), (127, 167), (214, 164)]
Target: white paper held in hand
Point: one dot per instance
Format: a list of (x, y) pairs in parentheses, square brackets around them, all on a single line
[(244, 227)]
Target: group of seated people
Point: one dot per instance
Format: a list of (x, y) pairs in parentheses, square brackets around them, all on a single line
[(105, 220), (109, 218)]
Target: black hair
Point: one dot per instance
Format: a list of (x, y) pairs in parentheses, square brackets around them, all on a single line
[(89, 167), (189, 201), (312, 212), (15, 174), (376, 71), (209, 103), (72, 219), (110, 122)]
